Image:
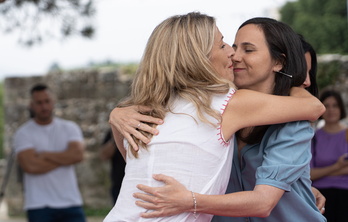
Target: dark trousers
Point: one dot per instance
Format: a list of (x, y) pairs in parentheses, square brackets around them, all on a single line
[(70, 214), (336, 206)]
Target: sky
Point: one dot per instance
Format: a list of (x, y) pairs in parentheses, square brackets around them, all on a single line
[(123, 28)]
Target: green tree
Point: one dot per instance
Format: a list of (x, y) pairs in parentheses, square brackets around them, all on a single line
[(324, 23), (38, 20), (328, 73)]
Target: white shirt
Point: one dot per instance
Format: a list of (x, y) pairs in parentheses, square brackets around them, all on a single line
[(57, 188), (187, 149)]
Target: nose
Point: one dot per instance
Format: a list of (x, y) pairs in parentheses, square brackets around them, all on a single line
[(236, 56), (307, 82), (230, 51)]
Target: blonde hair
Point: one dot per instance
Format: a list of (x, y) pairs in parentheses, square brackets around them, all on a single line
[(176, 63)]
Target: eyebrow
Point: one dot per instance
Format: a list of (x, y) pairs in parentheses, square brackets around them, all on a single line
[(222, 38), (244, 44)]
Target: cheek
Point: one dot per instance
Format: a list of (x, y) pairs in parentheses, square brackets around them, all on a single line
[(215, 63), (239, 81)]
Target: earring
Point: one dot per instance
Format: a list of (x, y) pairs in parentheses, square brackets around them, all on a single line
[(285, 74)]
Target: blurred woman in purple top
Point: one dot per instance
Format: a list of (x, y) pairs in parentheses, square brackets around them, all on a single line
[(329, 165)]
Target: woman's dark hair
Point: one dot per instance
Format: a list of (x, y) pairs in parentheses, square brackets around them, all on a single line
[(284, 46), (313, 88), (332, 93)]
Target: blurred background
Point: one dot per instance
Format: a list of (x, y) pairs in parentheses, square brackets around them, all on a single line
[(88, 50)]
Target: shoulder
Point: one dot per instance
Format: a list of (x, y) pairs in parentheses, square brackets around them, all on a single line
[(220, 101), (69, 127), (25, 127), (319, 131), (64, 122), (227, 95)]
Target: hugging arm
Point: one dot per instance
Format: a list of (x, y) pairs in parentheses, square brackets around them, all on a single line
[(174, 198), (279, 154), (250, 106), (118, 138)]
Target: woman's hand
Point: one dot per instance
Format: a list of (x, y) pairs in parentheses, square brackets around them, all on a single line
[(342, 161), (128, 119), (319, 199), (341, 165), (171, 199)]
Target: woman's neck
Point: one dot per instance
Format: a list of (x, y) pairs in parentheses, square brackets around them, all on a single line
[(333, 127)]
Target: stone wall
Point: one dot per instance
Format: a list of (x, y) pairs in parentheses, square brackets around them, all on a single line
[(86, 97)]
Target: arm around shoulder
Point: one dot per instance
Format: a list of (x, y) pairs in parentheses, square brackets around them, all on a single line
[(118, 138), (250, 108), (310, 102)]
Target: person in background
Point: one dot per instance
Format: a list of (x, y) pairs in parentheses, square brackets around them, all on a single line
[(110, 152), (47, 148), (311, 60), (281, 190), (329, 165)]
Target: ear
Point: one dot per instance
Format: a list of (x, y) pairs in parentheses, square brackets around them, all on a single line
[(277, 67), (279, 64)]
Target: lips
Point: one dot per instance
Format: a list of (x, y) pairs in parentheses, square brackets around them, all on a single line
[(237, 69)]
